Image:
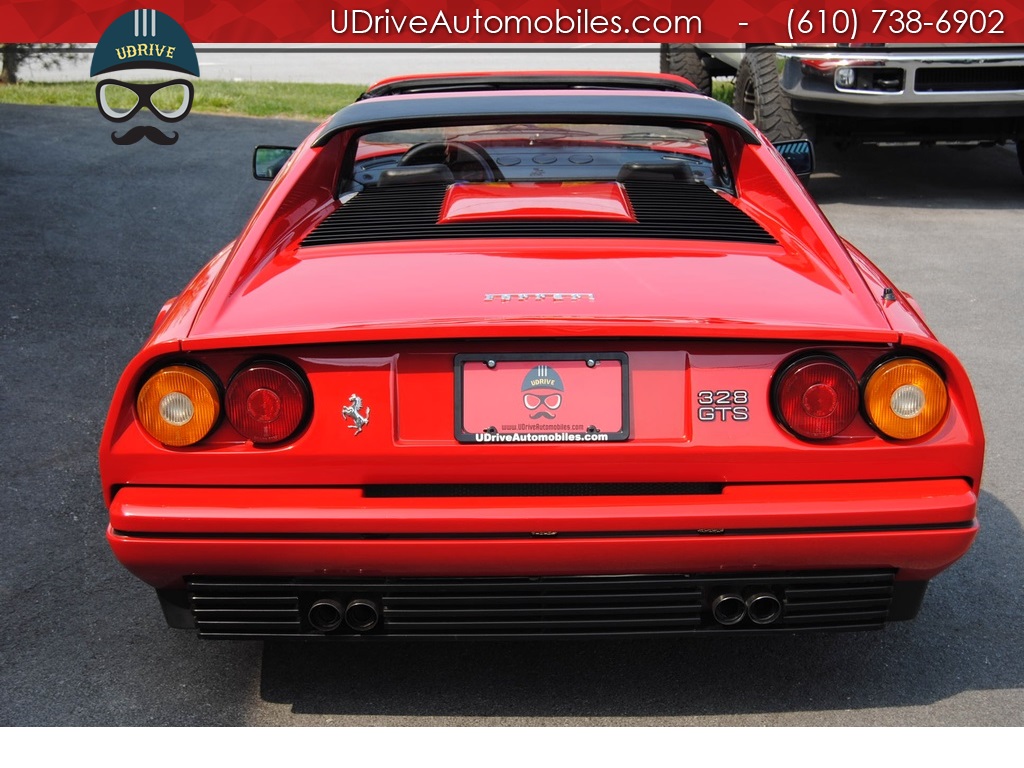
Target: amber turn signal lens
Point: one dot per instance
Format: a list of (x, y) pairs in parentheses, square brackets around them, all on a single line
[(817, 398), (905, 398), (178, 405)]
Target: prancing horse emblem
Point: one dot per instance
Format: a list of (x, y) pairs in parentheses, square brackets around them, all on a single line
[(352, 412)]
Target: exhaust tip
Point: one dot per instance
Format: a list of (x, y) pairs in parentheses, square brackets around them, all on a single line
[(325, 615), (764, 608), (362, 614), (728, 609)]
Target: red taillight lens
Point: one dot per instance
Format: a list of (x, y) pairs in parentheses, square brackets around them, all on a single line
[(266, 402), (817, 398)]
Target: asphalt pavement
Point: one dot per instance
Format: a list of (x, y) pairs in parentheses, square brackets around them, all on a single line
[(94, 237)]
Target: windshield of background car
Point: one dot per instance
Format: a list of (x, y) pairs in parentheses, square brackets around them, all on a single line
[(538, 152)]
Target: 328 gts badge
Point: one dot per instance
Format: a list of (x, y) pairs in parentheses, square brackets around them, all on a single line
[(723, 405)]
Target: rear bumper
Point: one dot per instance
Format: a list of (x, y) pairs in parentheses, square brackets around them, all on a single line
[(427, 562), (916, 528)]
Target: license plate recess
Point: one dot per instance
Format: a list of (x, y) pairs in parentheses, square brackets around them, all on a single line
[(542, 398)]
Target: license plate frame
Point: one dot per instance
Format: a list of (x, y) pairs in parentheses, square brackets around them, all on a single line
[(587, 381)]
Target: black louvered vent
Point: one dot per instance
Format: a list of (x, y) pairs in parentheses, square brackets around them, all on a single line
[(664, 210), (256, 613), (546, 606), (858, 600)]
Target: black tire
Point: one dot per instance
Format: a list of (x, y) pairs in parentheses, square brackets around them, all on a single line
[(759, 98), (1020, 153), (685, 61)]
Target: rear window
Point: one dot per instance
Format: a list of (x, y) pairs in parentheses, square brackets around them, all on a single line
[(538, 152)]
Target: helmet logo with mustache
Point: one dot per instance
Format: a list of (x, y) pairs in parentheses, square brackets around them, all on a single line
[(542, 392), (144, 40)]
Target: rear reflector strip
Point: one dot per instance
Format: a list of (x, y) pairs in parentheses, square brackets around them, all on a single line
[(508, 490)]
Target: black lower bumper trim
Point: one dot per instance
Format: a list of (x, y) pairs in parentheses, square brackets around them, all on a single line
[(578, 606)]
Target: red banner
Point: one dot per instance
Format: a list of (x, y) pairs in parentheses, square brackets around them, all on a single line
[(432, 22)]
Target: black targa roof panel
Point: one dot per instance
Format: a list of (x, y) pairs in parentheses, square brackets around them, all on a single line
[(526, 81), (534, 106)]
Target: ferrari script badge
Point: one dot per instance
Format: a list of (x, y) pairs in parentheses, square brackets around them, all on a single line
[(353, 412), (507, 297)]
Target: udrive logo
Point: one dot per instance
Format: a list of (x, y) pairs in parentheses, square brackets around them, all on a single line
[(542, 392), (144, 40)]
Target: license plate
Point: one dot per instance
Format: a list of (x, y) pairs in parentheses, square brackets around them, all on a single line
[(557, 398)]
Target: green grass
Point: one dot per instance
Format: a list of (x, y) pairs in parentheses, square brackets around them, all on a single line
[(305, 101), (308, 101), (722, 90)]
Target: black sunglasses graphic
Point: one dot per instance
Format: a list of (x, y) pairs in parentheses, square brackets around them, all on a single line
[(143, 94)]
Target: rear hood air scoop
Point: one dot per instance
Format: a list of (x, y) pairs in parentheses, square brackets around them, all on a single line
[(501, 201)]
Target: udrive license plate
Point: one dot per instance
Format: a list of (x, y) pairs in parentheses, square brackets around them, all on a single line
[(557, 398)]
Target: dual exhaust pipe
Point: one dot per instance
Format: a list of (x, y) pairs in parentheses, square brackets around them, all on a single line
[(359, 614), (762, 608)]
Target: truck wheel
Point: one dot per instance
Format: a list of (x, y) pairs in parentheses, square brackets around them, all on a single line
[(759, 98), (683, 60)]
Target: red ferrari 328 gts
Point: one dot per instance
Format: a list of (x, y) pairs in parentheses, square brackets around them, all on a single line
[(539, 354)]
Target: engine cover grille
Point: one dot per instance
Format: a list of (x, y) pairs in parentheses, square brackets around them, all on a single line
[(664, 210)]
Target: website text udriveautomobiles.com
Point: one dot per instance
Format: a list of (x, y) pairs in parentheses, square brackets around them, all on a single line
[(358, 21), (553, 437)]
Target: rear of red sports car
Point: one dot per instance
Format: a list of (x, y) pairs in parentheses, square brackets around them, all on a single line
[(525, 356)]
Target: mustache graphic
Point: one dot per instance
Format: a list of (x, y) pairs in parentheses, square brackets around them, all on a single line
[(542, 415), (140, 132)]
